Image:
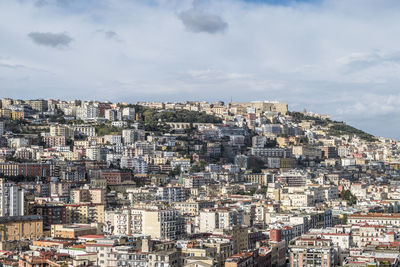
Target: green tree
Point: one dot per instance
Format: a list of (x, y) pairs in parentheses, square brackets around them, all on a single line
[(349, 197), (175, 172)]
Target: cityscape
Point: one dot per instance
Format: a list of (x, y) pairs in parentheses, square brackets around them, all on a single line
[(199, 133), (90, 183)]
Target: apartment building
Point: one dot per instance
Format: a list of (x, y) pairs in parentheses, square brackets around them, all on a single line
[(375, 218), (157, 223), (115, 176), (211, 219), (84, 130), (94, 196), (193, 207), (15, 228), (12, 200), (62, 130), (73, 231), (271, 152), (84, 213), (312, 251), (170, 194), (163, 224), (52, 141)]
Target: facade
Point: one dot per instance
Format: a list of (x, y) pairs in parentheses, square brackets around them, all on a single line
[(170, 194), (12, 202), (375, 219), (62, 130), (51, 214), (312, 251), (84, 130), (15, 228), (94, 196), (115, 176), (84, 213), (163, 224), (39, 105), (52, 141), (73, 231), (271, 152)]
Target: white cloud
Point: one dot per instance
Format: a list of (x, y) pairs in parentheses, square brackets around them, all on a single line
[(325, 56)]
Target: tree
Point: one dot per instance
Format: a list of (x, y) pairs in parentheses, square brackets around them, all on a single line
[(256, 170), (175, 172), (344, 219), (349, 197), (197, 168)]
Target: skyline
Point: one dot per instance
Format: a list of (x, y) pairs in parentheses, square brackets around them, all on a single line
[(334, 57)]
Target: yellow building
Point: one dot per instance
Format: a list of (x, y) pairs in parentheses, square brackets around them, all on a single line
[(84, 213), (62, 130), (197, 251), (5, 113), (95, 196), (9, 169), (72, 231), (260, 178), (21, 228), (71, 156), (264, 106), (17, 115)]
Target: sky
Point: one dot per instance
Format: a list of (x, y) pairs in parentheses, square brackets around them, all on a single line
[(336, 57)]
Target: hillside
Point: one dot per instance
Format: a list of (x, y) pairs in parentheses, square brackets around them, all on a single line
[(336, 128)]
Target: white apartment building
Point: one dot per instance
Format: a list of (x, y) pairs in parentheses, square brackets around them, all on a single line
[(159, 224), (171, 194), (128, 113), (11, 199), (112, 115), (211, 219), (84, 130), (113, 139)]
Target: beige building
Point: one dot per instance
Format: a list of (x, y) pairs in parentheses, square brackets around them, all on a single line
[(84, 213), (71, 156), (163, 224), (307, 152), (62, 130), (94, 196), (72, 231), (20, 228), (193, 208), (260, 178), (239, 235), (52, 141), (265, 106)]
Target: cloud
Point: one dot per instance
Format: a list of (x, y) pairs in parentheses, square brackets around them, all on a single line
[(40, 3), (112, 35), (372, 105), (322, 55), (10, 64), (50, 39), (214, 75), (361, 61), (199, 21)]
